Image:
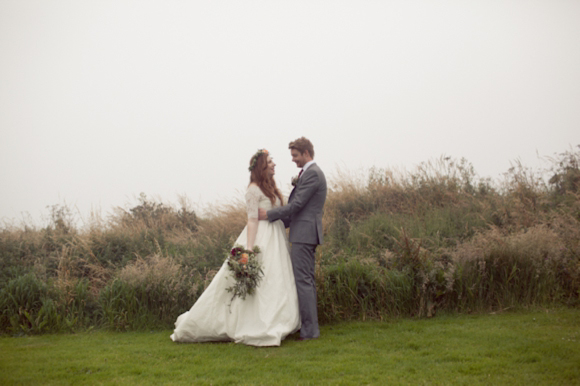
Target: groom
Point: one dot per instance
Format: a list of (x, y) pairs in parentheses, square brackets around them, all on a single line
[(304, 215)]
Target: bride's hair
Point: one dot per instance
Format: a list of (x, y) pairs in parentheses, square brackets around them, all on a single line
[(259, 176)]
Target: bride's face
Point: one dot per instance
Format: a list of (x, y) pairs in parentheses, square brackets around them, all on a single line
[(271, 167)]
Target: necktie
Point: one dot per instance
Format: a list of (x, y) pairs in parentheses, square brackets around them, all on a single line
[(299, 174)]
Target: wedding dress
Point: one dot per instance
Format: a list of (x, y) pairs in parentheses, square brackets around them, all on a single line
[(262, 319)]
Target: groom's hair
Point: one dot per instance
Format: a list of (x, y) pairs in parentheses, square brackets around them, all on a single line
[(302, 144)]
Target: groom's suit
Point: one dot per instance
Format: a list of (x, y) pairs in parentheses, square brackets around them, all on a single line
[(304, 216)]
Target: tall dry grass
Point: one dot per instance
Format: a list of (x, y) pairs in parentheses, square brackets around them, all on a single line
[(435, 239)]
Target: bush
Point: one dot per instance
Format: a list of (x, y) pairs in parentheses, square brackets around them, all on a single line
[(148, 293), (438, 238), (21, 302), (31, 306), (497, 270), (357, 290)]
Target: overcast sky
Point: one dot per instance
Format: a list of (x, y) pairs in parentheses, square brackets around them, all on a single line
[(103, 100)]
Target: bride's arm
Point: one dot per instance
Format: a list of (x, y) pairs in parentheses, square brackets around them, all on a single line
[(252, 201), (252, 231)]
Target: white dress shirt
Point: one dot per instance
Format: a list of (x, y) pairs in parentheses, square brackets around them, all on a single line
[(308, 164)]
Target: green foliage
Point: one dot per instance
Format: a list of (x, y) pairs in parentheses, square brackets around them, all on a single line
[(25, 302), (246, 271), (31, 306), (120, 307), (156, 215), (436, 239), (353, 290), (529, 267), (148, 293), (566, 173), (18, 251)]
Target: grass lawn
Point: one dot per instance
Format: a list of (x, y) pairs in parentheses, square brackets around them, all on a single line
[(520, 347)]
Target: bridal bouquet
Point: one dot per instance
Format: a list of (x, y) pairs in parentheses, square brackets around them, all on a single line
[(246, 271)]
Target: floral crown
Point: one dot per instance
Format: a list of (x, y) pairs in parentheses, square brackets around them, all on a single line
[(255, 158)]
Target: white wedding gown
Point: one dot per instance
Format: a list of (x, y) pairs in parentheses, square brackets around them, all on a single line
[(262, 319)]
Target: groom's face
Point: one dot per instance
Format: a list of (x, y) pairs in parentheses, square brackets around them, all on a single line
[(297, 158)]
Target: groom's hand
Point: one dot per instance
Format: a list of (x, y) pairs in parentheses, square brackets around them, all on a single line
[(262, 214)]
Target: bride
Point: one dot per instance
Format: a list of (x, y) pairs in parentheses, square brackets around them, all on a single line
[(271, 313)]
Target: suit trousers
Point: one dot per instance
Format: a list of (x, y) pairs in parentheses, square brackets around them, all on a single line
[(303, 265)]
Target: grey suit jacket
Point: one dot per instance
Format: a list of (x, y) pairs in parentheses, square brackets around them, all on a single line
[(305, 206)]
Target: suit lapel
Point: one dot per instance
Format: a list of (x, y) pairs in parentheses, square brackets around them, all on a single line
[(292, 194), (299, 181)]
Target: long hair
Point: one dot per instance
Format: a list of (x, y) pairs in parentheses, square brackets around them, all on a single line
[(259, 176)]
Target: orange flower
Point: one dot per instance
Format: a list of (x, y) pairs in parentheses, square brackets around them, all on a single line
[(244, 258)]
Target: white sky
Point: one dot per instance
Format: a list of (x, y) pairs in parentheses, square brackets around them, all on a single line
[(102, 100)]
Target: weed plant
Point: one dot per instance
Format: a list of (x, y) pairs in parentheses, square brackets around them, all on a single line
[(438, 238)]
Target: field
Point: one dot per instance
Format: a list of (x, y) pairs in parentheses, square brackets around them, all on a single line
[(517, 348)]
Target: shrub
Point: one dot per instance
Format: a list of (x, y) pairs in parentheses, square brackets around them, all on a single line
[(396, 244), (498, 270), (148, 292), (362, 290), (28, 306)]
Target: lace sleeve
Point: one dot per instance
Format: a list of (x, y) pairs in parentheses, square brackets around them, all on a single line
[(253, 195)]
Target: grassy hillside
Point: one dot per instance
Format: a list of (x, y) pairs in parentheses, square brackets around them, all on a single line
[(437, 238)]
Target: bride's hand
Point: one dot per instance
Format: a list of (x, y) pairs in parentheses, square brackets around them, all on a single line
[(262, 214)]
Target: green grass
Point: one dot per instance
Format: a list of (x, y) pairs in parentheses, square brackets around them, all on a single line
[(521, 347)]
